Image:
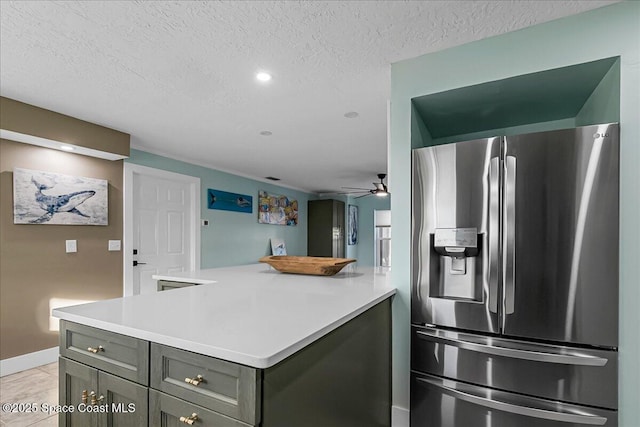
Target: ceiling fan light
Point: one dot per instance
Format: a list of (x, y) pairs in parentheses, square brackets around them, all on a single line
[(382, 193)]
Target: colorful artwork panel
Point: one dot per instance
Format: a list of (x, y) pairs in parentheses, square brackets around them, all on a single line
[(277, 209), (225, 201)]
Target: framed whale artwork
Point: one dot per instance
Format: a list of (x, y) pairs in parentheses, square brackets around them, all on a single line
[(55, 199)]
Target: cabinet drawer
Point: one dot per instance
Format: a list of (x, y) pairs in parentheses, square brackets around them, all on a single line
[(120, 355), (167, 410), (224, 387)]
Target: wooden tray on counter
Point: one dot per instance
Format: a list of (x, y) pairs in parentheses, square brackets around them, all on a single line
[(314, 265)]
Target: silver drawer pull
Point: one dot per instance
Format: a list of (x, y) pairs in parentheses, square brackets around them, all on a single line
[(95, 350), (194, 381), (190, 419)]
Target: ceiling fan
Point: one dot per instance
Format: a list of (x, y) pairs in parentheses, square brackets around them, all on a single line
[(380, 189)]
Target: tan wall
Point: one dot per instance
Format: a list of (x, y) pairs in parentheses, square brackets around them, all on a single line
[(24, 118), (34, 267)]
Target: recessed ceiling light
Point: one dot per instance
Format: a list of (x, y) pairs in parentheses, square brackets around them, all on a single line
[(263, 77), (351, 115), (266, 133), (66, 148)]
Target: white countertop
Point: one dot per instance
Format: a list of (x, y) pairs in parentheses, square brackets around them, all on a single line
[(251, 314)]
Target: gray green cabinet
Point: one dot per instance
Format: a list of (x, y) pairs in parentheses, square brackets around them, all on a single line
[(100, 399), (168, 411), (341, 380), (165, 285), (127, 402), (325, 228), (225, 387), (75, 382), (121, 355)]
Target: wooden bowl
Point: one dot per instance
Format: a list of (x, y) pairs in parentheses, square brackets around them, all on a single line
[(314, 265)]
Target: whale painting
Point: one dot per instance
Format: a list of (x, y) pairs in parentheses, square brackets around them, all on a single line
[(56, 199)]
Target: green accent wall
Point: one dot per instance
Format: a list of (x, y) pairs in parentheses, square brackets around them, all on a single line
[(234, 238), (608, 32), (539, 97), (603, 105)]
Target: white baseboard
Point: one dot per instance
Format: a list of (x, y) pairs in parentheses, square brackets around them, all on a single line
[(399, 417), (28, 361)]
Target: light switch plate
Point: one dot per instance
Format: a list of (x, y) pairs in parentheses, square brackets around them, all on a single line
[(114, 245), (71, 246)]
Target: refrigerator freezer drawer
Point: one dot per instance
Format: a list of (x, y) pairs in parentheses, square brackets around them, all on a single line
[(567, 374), (438, 402)]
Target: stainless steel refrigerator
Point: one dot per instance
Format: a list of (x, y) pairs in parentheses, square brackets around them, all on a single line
[(514, 289)]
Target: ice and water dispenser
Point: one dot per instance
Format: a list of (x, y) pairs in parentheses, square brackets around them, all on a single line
[(458, 272)]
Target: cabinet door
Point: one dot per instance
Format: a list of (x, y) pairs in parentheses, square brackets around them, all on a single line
[(76, 380), (126, 403), (325, 230)]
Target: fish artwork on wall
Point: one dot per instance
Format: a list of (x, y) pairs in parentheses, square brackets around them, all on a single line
[(225, 201), (56, 199)]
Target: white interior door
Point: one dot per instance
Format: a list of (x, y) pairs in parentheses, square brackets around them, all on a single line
[(163, 226)]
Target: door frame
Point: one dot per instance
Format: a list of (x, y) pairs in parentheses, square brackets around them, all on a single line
[(131, 169)]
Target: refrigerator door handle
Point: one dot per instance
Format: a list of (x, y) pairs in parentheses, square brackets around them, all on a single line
[(536, 356), (494, 232), (509, 259), (566, 417)]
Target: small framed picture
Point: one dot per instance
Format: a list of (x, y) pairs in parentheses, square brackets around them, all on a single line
[(278, 247)]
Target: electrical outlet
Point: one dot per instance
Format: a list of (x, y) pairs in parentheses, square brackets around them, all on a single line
[(114, 245), (71, 246)]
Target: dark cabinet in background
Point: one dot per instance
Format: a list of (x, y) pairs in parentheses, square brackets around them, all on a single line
[(325, 235)]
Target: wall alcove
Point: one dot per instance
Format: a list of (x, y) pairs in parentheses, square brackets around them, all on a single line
[(567, 97)]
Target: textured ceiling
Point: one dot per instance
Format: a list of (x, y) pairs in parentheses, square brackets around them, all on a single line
[(179, 76)]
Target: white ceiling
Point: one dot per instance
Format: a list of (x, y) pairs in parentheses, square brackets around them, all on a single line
[(180, 76)]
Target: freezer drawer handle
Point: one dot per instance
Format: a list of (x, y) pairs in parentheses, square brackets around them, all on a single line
[(537, 356), (516, 409)]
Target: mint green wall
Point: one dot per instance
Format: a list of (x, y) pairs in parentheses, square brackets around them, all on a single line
[(366, 207), (234, 238), (601, 33), (515, 130)]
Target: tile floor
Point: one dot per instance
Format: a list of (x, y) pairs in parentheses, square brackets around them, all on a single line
[(38, 385)]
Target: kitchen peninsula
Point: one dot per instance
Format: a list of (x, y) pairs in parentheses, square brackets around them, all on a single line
[(248, 346)]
